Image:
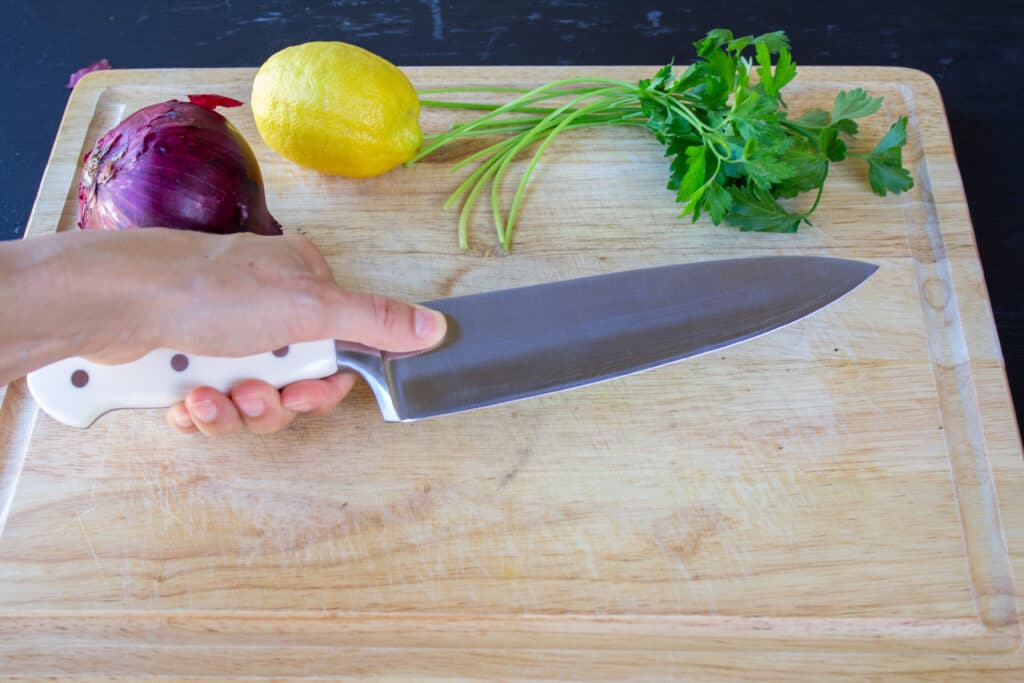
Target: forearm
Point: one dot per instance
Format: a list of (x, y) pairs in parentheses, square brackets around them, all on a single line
[(57, 301)]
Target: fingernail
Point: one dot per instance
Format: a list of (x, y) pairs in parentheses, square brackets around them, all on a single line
[(204, 411), (251, 406), (182, 419), (428, 323), (299, 406)]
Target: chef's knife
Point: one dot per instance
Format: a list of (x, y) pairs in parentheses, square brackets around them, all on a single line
[(501, 346)]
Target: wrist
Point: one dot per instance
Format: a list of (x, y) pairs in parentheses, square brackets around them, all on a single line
[(114, 285), (28, 338), (58, 293), (89, 299)]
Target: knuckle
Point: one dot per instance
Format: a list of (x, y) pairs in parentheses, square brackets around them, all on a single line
[(302, 243), (310, 255), (387, 314)]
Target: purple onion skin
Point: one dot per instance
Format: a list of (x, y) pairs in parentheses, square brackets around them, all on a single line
[(174, 165)]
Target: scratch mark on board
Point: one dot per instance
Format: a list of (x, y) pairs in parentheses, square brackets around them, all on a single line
[(125, 588), (88, 542), (588, 550), (524, 457)]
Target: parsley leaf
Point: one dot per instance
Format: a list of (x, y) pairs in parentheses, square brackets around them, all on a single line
[(680, 164), (714, 39), (810, 168), (767, 170), (885, 162), (661, 79), (855, 104), (850, 105), (692, 184), (776, 41), (755, 209), (718, 202), (815, 118), (830, 144), (846, 126), (785, 70), (720, 74)]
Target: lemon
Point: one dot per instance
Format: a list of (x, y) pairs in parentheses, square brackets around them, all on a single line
[(336, 108)]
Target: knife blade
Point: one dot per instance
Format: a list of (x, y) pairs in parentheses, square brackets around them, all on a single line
[(501, 346)]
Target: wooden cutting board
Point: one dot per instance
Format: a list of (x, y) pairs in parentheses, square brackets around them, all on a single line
[(842, 499)]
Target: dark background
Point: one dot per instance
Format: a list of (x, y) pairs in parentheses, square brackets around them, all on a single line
[(972, 49)]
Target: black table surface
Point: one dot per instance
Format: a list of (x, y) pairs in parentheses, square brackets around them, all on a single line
[(972, 50)]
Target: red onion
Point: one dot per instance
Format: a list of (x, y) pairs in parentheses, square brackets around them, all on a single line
[(174, 165)]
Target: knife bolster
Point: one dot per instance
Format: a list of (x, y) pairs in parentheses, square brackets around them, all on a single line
[(370, 364)]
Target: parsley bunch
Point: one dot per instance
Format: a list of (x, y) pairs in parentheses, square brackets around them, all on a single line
[(734, 151)]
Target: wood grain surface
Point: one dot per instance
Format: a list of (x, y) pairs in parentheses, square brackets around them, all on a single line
[(842, 499)]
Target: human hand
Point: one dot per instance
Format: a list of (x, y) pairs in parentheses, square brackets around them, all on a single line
[(257, 406), (242, 294)]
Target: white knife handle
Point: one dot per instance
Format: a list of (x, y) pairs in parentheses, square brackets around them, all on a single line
[(76, 392)]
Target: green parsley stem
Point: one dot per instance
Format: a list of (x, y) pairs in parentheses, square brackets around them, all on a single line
[(821, 189), (567, 121), (531, 135)]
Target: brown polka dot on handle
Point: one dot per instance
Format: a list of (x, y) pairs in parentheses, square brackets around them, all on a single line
[(79, 378), (179, 362), (281, 352)]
